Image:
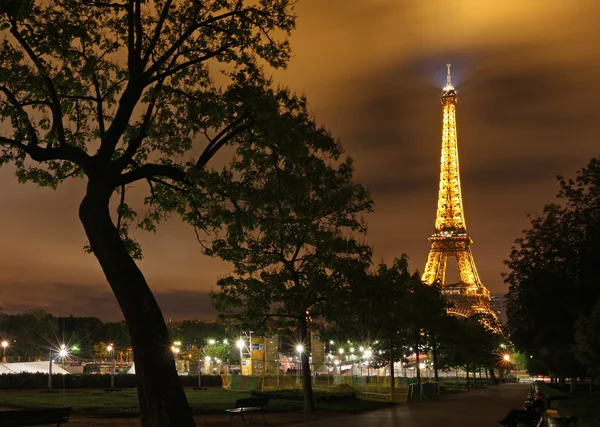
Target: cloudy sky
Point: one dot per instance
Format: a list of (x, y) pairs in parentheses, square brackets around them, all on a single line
[(528, 78)]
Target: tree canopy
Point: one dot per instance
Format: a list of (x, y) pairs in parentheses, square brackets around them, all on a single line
[(292, 228), (125, 91), (554, 274)]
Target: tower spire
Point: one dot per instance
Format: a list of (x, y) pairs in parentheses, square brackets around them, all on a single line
[(448, 89)]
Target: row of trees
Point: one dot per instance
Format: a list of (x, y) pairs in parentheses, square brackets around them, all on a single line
[(31, 335), (351, 301), (553, 303)]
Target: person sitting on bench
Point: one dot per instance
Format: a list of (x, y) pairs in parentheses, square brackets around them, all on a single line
[(529, 413)]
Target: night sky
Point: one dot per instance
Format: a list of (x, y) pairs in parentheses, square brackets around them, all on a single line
[(527, 74)]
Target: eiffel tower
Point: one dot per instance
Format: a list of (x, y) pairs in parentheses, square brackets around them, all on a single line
[(450, 238)]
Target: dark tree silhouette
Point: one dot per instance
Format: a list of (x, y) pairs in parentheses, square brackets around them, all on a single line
[(117, 92)]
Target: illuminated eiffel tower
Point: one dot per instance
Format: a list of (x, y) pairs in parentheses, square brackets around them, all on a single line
[(450, 238)]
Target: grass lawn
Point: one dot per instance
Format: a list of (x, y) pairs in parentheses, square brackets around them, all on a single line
[(124, 403), (581, 404)]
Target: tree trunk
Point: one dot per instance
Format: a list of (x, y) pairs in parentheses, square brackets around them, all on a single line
[(162, 400), (434, 357), (467, 372), (309, 402), (392, 379), (418, 368)]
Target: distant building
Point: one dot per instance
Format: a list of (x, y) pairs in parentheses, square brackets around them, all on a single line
[(497, 303)]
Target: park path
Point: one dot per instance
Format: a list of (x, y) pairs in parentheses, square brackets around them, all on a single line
[(477, 408)]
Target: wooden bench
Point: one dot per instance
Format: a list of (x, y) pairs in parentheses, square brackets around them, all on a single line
[(34, 417), (251, 405)]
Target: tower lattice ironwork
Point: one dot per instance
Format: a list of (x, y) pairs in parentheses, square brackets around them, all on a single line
[(450, 238)]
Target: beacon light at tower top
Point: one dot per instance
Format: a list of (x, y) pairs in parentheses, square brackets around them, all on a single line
[(448, 87)]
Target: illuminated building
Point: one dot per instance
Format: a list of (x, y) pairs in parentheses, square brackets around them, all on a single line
[(450, 238)]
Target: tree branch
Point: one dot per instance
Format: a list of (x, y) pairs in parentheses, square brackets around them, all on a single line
[(55, 107), (121, 203), (139, 32), (189, 63), (33, 138), (220, 140), (99, 97), (183, 38), (136, 142), (130, 35), (66, 152), (157, 31), (150, 170)]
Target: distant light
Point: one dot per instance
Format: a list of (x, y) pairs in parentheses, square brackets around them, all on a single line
[(361, 348), (63, 353), (176, 351), (4, 344), (299, 348), (211, 342), (177, 343), (368, 353), (341, 351), (224, 341), (506, 357), (109, 348), (207, 359), (240, 344), (421, 366), (351, 349), (331, 342)]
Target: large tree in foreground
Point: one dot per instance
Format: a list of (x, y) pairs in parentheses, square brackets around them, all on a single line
[(292, 224), (116, 92), (554, 272)]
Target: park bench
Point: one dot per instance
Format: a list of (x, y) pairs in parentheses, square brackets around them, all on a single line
[(248, 405), (34, 417)]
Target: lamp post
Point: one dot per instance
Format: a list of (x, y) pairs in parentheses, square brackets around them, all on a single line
[(300, 350), (4, 345), (368, 353), (62, 354), (110, 348)]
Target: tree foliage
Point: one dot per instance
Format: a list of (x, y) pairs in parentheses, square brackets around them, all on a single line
[(553, 273), (291, 227)]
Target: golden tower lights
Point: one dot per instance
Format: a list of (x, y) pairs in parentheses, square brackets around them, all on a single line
[(450, 238)]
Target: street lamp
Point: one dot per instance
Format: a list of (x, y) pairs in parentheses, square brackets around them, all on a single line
[(4, 345), (110, 348)]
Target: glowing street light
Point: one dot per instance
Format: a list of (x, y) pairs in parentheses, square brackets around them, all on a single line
[(240, 344), (4, 345), (110, 348), (506, 357), (211, 342), (63, 352)]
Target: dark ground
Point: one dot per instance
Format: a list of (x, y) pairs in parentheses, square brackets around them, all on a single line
[(478, 408)]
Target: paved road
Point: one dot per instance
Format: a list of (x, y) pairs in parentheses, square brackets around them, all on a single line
[(479, 408)]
